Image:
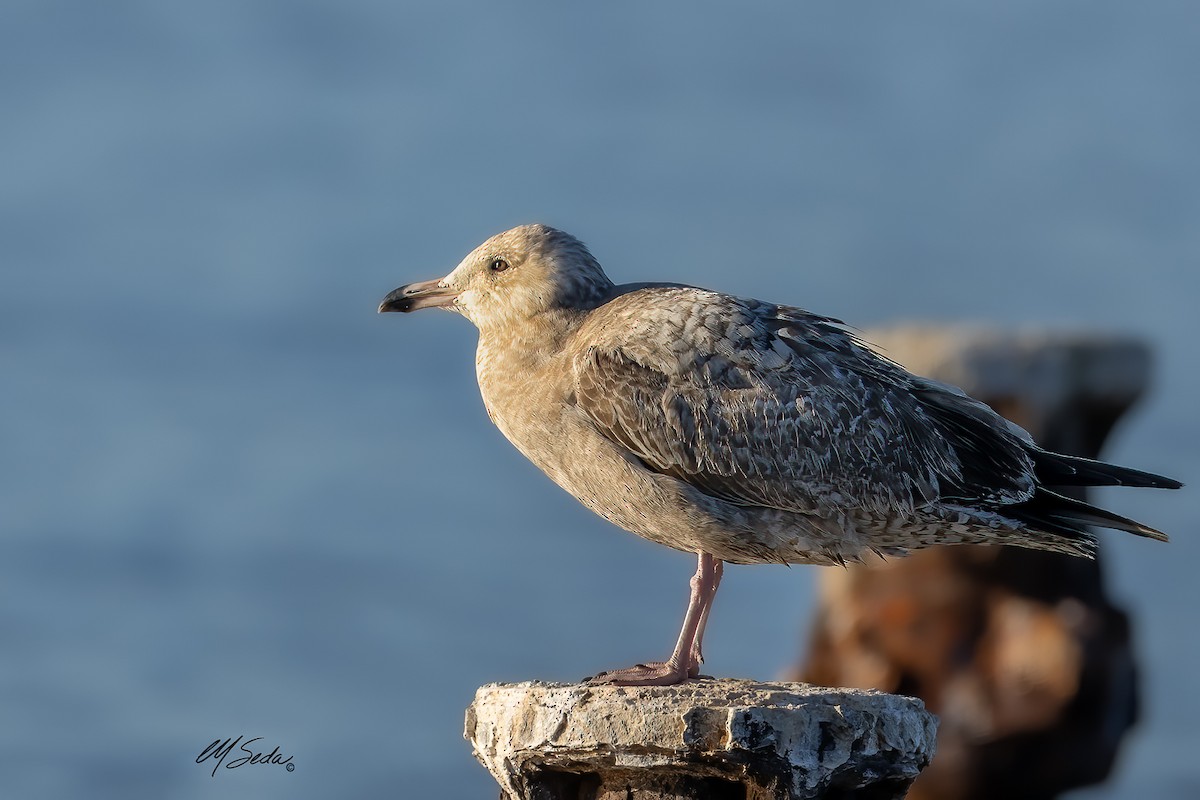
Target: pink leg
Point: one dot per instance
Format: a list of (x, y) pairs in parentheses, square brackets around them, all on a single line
[(685, 660), (697, 655)]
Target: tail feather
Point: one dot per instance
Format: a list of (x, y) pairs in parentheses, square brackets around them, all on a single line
[(1057, 469), (1055, 513)]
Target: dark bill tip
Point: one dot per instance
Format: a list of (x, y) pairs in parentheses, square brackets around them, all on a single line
[(414, 296)]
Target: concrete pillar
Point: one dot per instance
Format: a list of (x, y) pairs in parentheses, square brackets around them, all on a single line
[(710, 739)]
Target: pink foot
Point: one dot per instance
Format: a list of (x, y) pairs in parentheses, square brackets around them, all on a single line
[(656, 673)]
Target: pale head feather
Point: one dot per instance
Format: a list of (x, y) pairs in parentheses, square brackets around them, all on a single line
[(547, 269)]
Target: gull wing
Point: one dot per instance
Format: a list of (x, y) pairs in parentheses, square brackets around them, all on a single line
[(766, 405)]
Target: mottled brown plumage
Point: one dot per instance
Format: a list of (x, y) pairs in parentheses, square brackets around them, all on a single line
[(740, 430)]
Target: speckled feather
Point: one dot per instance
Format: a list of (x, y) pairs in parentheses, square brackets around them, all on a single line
[(768, 405)]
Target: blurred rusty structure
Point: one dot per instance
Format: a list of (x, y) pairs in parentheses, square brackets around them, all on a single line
[(1020, 653)]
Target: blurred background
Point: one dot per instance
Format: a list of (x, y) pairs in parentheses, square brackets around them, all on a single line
[(236, 501)]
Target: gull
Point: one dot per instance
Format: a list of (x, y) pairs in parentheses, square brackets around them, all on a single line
[(743, 431)]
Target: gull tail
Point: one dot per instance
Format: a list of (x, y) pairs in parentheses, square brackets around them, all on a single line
[(1054, 513), (1057, 469)]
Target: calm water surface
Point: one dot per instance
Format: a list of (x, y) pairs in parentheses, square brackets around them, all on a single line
[(235, 501)]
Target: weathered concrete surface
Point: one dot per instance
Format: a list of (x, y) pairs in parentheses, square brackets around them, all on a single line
[(707, 739), (1020, 653)]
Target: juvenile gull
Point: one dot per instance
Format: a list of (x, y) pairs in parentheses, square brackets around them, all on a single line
[(744, 431)]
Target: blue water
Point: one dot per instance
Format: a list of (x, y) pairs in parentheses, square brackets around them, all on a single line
[(235, 501)]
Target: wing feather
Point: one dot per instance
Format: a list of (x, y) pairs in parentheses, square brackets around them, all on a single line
[(768, 405)]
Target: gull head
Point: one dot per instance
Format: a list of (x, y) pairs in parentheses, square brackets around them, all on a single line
[(512, 277)]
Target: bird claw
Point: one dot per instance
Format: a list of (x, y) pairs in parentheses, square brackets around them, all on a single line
[(656, 673)]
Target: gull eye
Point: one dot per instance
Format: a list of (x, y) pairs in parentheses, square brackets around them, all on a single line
[(498, 265)]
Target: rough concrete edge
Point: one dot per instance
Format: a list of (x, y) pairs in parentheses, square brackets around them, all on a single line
[(721, 757)]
